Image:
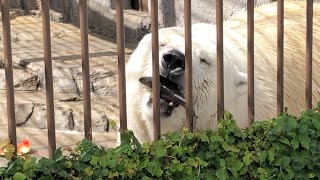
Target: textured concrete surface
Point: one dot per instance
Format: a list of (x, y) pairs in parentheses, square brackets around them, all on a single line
[(204, 11)]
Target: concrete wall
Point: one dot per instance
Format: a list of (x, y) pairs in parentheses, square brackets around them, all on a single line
[(102, 14), (171, 12), (102, 17)]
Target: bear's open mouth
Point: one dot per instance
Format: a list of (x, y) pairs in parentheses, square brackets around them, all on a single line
[(170, 94)]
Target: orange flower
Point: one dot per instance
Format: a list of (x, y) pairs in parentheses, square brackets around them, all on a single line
[(23, 147)]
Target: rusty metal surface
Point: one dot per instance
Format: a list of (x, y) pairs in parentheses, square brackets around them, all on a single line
[(48, 76), (309, 38), (220, 83), (188, 64), (7, 51), (121, 66), (83, 10), (250, 63), (155, 69)]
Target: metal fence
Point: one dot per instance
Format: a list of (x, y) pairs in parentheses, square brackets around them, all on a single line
[(155, 57)]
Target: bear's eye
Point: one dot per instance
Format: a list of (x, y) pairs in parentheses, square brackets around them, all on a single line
[(204, 61), (162, 45)]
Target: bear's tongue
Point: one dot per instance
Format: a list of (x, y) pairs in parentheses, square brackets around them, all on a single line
[(169, 91)]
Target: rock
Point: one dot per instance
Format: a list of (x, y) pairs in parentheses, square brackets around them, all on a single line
[(23, 113), (23, 80), (64, 85), (62, 114), (104, 82)]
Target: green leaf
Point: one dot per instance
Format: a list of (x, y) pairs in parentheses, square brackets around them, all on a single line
[(263, 156), (57, 156), (286, 161), (216, 138), (222, 163), (263, 174), (271, 154), (234, 165), (68, 164), (63, 173), (295, 143), (154, 168), (175, 136), (285, 140), (291, 173), (112, 163), (189, 136), (304, 140), (247, 159), (204, 137), (283, 161), (160, 149), (292, 134), (94, 160), (237, 165), (104, 161), (316, 123), (19, 176), (228, 147), (46, 178), (292, 122), (222, 173), (105, 172), (126, 137), (146, 178), (88, 171)]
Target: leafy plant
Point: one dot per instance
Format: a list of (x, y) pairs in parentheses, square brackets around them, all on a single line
[(285, 147)]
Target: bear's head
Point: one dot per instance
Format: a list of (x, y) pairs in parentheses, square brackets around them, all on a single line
[(172, 78)]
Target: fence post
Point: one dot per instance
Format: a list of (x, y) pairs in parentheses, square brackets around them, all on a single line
[(7, 52), (250, 61), (280, 68), (188, 64), (220, 83), (121, 66), (48, 76), (83, 10), (309, 38), (155, 69)]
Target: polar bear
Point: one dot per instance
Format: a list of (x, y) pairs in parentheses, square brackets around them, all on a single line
[(171, 65)]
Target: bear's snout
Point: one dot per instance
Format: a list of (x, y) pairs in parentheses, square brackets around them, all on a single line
[(173, 63)]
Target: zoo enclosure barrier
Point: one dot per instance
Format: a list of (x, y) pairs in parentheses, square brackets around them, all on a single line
[(83, 10)]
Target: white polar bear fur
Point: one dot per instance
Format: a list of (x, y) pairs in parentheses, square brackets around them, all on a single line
[(204, 77)]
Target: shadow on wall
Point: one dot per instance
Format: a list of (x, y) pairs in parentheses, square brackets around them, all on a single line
[(168, 12), (102, 20)]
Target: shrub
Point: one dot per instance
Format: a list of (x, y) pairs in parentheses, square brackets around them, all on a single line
[(285, 147)]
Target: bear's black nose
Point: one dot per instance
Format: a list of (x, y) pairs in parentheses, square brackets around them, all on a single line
[(172, 60)]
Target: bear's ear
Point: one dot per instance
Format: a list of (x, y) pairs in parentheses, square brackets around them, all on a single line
[(240, 81)]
